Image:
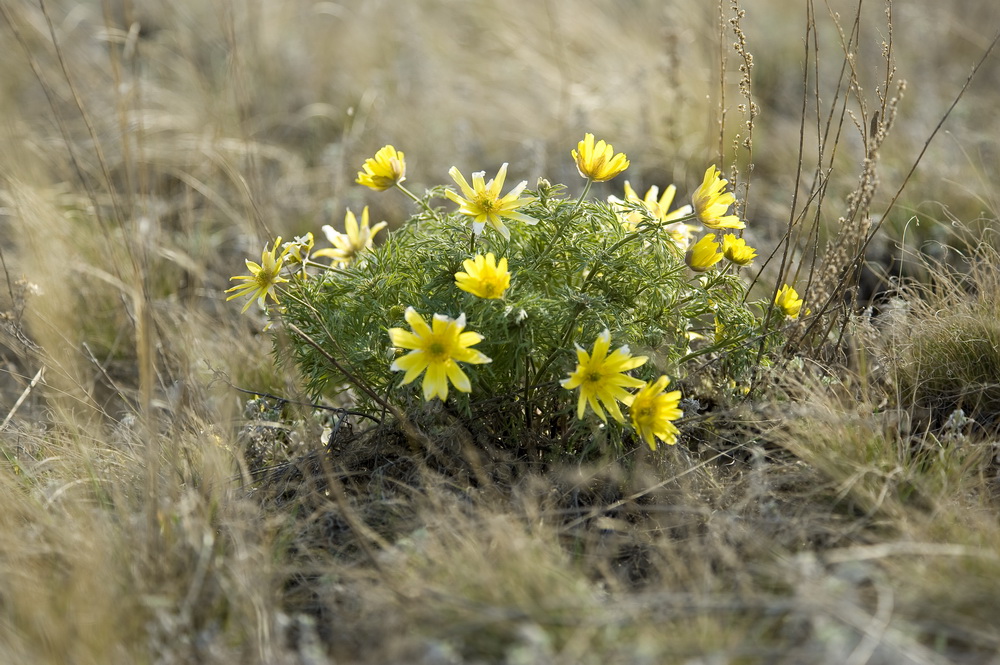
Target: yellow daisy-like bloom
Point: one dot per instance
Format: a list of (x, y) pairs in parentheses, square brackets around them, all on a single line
[(652, 410), (483, 203), (347, 246), (598, 162), (384, 170), (788, 301), (681, 234), (736, 250), (262, 279), (659, 208), (484, 277), (438, 350), (601, 378), (704, 254), (297, 250), (711, 202)]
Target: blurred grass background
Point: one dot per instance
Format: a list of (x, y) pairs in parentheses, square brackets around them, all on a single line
[(147, 148)]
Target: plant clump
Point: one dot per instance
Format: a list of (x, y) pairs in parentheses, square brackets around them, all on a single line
[(502, 298)]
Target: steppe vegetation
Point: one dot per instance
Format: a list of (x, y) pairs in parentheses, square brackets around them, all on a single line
[(188, 480)]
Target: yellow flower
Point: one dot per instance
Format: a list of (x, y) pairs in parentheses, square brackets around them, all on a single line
[(484, 277), (297, 251), (262, 279), (598, 163), (483, 203), (384, 170), (652, 410), (437, 350), (788, 301), (601, 378), (723, 333), (704, 254), (680, 233), (347, 246), (736, 250), (711, 202), (659, 209)]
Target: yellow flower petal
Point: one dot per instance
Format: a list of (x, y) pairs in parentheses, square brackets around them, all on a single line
[(435, 382), (458, 377)]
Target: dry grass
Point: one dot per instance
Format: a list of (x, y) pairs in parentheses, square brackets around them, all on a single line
[(846, 514), (948, 361)]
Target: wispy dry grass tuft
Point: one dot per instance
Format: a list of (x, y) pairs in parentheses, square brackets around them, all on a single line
[(942, 337)]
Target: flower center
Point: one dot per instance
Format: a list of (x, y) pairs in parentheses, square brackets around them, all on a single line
[(438, 350), (594, 377)]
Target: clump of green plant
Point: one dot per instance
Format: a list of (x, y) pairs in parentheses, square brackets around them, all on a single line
[(527, 312)]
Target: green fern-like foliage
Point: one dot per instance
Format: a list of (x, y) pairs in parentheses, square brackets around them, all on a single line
[(578, 271)]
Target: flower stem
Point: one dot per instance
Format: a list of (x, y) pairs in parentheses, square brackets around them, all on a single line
[(594, 269), (715, 278), (567, 333), (579, 201), (419, 201), (333, 267), (557, 236), (418, 440)]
